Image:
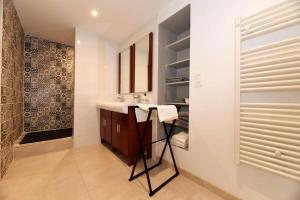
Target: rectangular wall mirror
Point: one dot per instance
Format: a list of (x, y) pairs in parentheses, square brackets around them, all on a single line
[(135, 67), (143, 61), (143, 64), (124, 71)]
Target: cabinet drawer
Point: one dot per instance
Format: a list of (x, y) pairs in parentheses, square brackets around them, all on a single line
[(120, 116), (105, 113)]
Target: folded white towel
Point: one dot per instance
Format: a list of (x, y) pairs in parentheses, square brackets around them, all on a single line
[(165, 112), (180, 139), (146, 106), (182, 145)]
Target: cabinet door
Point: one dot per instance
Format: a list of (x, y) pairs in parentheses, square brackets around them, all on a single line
[(102, 125), (105, 126), (107, 132), (120, 135)]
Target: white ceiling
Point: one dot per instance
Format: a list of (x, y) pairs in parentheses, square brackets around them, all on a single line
[(56, 19)]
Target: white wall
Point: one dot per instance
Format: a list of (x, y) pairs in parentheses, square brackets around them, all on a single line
[(211, 152), (212, 139), (151, 26), (95, 81)]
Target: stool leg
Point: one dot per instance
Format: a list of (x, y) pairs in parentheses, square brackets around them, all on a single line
[(170, 147), (167, 137), (134, 166), (141, 150)]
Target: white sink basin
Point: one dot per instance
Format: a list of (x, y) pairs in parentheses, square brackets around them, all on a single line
[(121, 107)]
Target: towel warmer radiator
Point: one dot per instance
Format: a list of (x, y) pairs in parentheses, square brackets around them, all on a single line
[(267, 77)]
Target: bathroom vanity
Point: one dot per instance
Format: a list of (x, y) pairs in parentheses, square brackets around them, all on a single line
[(117, 124), (117, 129)]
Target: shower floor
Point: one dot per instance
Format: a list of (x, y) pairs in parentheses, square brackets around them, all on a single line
[(46, 135)]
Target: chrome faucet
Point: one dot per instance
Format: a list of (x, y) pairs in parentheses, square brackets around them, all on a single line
[(120, 98), (136, 98)]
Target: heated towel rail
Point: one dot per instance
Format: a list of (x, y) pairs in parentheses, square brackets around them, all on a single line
[(268, 129)]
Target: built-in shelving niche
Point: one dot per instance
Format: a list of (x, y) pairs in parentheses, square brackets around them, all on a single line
[(174, 61)]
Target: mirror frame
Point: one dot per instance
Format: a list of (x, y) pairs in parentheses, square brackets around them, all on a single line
[(119, 73), (132, 67)]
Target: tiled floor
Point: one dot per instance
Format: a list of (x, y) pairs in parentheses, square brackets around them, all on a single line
[(89, 173)]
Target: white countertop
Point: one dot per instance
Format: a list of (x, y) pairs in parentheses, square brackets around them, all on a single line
[(121, 107)]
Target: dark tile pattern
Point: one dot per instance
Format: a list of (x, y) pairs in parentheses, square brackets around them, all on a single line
[(46, 135), (11, 83), (48, 85)]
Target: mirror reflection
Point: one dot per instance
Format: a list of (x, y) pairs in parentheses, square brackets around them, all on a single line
[(125, 71), (141, 64)]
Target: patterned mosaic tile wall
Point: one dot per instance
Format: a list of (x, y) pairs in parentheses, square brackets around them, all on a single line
[(11, 83), (48, 85)]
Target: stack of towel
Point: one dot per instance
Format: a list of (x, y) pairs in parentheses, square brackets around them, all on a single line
[(181, 139), (179, 100), (183, 113), (183, 119), (176, 79)]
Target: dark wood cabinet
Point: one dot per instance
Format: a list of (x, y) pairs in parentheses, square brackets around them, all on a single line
[(120, 136), (119, 131), (105, 126)]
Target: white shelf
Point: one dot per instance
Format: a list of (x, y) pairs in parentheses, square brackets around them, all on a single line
[(185, 149), (177, 103), (179, 22), (178, 125), (180, 64), (174, 59), (179, 83), (181, 44)]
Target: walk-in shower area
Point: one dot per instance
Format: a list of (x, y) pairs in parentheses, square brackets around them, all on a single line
[(37, 86), (48, 88)]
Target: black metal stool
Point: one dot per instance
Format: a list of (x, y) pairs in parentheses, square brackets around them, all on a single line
[(141, 152)]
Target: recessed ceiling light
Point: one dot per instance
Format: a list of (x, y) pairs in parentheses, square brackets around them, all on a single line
[(78, 41), (94, 13)]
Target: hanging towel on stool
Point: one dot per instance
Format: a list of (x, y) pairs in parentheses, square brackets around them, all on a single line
[(165, 112)]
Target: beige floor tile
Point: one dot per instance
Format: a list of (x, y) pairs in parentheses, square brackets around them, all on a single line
[(109, 176), (72, 188), (63, 172), (27, 167), (91, 173), (59, 157), (25, 187)]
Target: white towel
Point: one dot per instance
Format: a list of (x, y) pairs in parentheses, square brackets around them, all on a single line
[(165, 112), (180, 139), (146, 106)]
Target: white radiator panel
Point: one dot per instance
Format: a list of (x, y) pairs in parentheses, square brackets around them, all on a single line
[(280, 16), (269, 130)]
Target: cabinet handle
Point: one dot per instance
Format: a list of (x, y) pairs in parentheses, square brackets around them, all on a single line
[(104, 122), (118, 128)]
